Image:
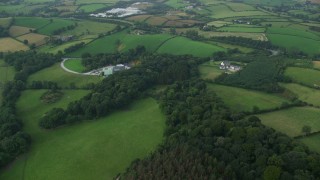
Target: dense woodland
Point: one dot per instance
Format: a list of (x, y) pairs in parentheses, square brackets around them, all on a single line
[(203, 142), (13, 141)]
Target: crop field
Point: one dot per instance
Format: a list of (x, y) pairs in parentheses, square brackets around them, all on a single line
[(294, 43), (293, 32), (219, 23), (56, 49), (11, 45), (56, 24), (74, 65), (34, 38), (138, 18), (254, 36), (122, 41), (181, 46), (90, 28), (239, 99), (230, 46), (92, 7), (15, 31), (156, 21), (91, 149), (313, 142), (309, 95), (5, 22), (31, 22), (316, 64), (305, 76), (240, 7), (56, 74), (242, 29), (78, 2), (210, 70), (222, 11), (290, 121)]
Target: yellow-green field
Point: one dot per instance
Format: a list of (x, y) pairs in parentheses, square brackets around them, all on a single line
[(33, 38), (11, 45)]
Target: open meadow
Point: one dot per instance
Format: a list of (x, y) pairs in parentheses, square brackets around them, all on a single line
[(89, 150), (64, 79), (239, 99), (33, 38), (12, 45), (6, 74), (305, 76), (306, 94), (15, 31), (210, 70), (74, 65), (313, 142), (290, 121)]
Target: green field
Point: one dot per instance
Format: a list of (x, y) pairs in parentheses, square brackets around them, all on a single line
[(74, 65), (305, 76), (56, 49), (31, 22), (6, 74), (5, 22), (88, 150), (176, 3), (92, 7), (313, 142), (86, 28), (210, 70), (293, 32), (182, 45), (239, 99), (223, 11), (309, 95), (242, 29), (291, 121), (121, 42), (56, 74), (56, 24)]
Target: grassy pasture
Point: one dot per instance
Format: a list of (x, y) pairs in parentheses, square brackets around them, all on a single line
[(5, 22), (6, 74), (242, 29), (293, 32), (313, 142), (231, 46), (15, 31), (31, 22), (219, 23), (90, 28), (295, 43), (74, 65), (290, 121), (240, 7), (65, 8), (176, 3), (56, 74), (56, 24), (305, 94), (223, 11), (156, 21), (210, 70), (12, 45), (316, 64), (305, 76), (122, 42), (88, 150), (239, 99), (182, 45), (79, 2), (33, 38), (56, 49), (92, 7)]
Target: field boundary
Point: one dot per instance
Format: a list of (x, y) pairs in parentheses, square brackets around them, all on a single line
[(160, 45)]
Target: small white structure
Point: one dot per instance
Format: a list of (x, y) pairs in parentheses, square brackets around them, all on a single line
[(226, 65), (107, 71)]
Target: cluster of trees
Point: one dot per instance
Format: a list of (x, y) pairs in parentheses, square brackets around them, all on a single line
[(64, 29), (262, 74), (202, 142), (120, 89), (74, 47), (13, 141), (4, 32), (247, 42)]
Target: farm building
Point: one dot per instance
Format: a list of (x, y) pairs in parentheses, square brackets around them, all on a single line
[(112, 69), (226, 65)]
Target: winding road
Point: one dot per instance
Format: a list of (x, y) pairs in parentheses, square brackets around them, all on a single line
[(91, 73)]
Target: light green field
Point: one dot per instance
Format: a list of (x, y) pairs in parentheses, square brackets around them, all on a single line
[(92, 7), (74, 65), (305, 94), (295, 43), (11, 45), (218, 23), (291, 121), (6, 74), (11, 9), (239, 99), (97, 149), (121, 42), (316, 64), (270, 2), (210, 70), (90, 28), (176, 3), (97, 1), (231, 46), (305, 76), (223, 11), (182, 45), (62, 47), (56, 24), (242, 29), (240, 7), (31, 22), (56, 74), (5, 22), (293, 32), (313, 142)]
